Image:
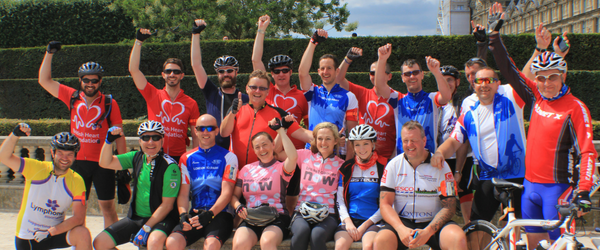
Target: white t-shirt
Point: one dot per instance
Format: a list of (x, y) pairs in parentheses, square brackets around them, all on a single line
[(488, 142)]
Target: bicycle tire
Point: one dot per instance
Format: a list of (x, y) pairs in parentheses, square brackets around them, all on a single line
[(487, 228), (516, 167)]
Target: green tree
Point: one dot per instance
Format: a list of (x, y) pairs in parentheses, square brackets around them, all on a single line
[(235, 18)]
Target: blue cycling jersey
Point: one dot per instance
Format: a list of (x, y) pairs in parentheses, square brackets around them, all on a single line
[(205, 170), (421, 107), (217, 105)]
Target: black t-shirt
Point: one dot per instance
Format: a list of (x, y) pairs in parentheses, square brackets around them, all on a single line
[(227, 101)]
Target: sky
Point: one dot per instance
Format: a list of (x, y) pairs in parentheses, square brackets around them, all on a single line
[(391, 17)]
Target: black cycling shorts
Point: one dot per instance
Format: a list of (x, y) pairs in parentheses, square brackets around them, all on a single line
[(433, 242), (56, 241), (485, 204), (220, 228), (103, 179), (282, 222), (122, 230)]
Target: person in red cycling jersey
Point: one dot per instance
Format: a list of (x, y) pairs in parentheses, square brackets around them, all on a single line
[(92, 113), (560, 131), (244, 121), (282, 95), (169, 106), (373, 109)]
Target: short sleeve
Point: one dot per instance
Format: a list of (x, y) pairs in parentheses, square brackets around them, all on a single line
[(78, 189), (29, 167), (149, 91), (171, 181), (194, 113), (115, 113), (388, 178), (126, 159), (231, 168), (352, 109), (459, 133), (185, 174), (65, 93), (447, 186), (209, 88)]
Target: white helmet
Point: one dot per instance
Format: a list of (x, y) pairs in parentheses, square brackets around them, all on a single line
[(151, 126), (362, 132), (314, 212), (548, 61)]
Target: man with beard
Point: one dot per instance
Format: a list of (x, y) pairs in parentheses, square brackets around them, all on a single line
[(218, 100), (175, 110), (41, 222), (92, 113)]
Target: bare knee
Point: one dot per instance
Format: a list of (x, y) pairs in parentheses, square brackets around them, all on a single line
[(175, 241), (156, 240), (80, 237), (103, 241), (212, 243)]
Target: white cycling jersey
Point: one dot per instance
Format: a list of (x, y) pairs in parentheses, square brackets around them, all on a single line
[(418, 190)]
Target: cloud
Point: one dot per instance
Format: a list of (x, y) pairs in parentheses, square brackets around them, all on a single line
[(392, 17)]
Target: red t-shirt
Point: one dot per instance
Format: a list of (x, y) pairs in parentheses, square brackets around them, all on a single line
[(294, 103), (376, 112), (82, 119), (175, 116), (247, 124)]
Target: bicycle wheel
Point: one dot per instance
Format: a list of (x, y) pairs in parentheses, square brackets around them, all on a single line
[(516, 168), (480, 233)]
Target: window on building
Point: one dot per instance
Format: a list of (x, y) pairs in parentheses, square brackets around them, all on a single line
[(460, 7), (572, 9), (543, 17), (583, 27), (598, 25), (583, 5)]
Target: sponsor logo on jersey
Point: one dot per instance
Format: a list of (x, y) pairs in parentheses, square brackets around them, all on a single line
[(173, 184), (449, 177), (52, 204), (384, 176), (47, 211)]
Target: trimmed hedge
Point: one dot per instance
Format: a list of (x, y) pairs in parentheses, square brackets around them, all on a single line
[(34, 23), (26, 99), (19, 63), (49, 127)]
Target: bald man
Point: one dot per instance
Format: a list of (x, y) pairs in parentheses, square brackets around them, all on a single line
[(202, 170)]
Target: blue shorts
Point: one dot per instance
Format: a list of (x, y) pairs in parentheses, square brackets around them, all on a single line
[(539, 201)]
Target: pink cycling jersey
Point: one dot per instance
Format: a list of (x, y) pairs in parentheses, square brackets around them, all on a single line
[(319, 178), (264, 184)]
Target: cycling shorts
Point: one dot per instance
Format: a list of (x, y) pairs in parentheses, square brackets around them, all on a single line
[(56, 241), (433, 242), (103, 179), (539, 201), (123, 230), (220, 228)]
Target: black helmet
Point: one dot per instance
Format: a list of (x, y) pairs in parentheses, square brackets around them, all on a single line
[(65, 141), (225, 61), (449, 70), (91, 68), (280, 60)]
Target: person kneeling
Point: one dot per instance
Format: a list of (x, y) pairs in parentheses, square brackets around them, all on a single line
[(155, 185), (417, 200)]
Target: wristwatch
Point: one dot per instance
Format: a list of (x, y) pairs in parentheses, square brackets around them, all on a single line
[(540, 50)]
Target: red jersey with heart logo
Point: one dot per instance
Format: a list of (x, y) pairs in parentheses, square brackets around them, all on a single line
[(376, 112), (176, 116), (294, 103), (83, 118)]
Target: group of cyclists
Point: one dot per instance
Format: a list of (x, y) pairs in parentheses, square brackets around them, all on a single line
[(370, 164)]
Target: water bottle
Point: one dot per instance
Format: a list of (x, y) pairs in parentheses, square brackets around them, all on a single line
[(543, 245), (521, 245)]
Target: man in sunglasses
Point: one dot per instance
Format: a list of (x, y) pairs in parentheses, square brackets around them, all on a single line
[(156, 180), (328, 102), (494, 129), (169, 106), (92, 113), (560, 152), (281, 95), (208, 173), (416, 104), (373, 109), (218, 99)]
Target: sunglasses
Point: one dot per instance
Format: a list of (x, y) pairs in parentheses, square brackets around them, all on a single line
[(486, 80), (277, 71), (206, 128), (373, 73), (552, 77), (174, 71), (414, 73), (87, 80), (154, 137), (222, 71), (252, 87)]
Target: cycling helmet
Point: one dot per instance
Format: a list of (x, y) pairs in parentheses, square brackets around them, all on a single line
[(362, 132), (548, 61), (90, 68), (65, 141), (314, 212), (151, 126), (225, 61), (449, 70), (280, 60)]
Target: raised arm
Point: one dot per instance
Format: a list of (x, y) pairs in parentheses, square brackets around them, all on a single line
[(290, 150), (482, 41), (196, 55), (8, 147), (45, 74), (445, 93), (542, 40), (353, 54), (134, 59), (307, 58), (107, 159), (381, 77), (257, 51)]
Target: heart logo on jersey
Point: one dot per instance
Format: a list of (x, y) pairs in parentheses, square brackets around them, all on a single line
[(78, 119), (368, 117), (284, 102), (171, 106)]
